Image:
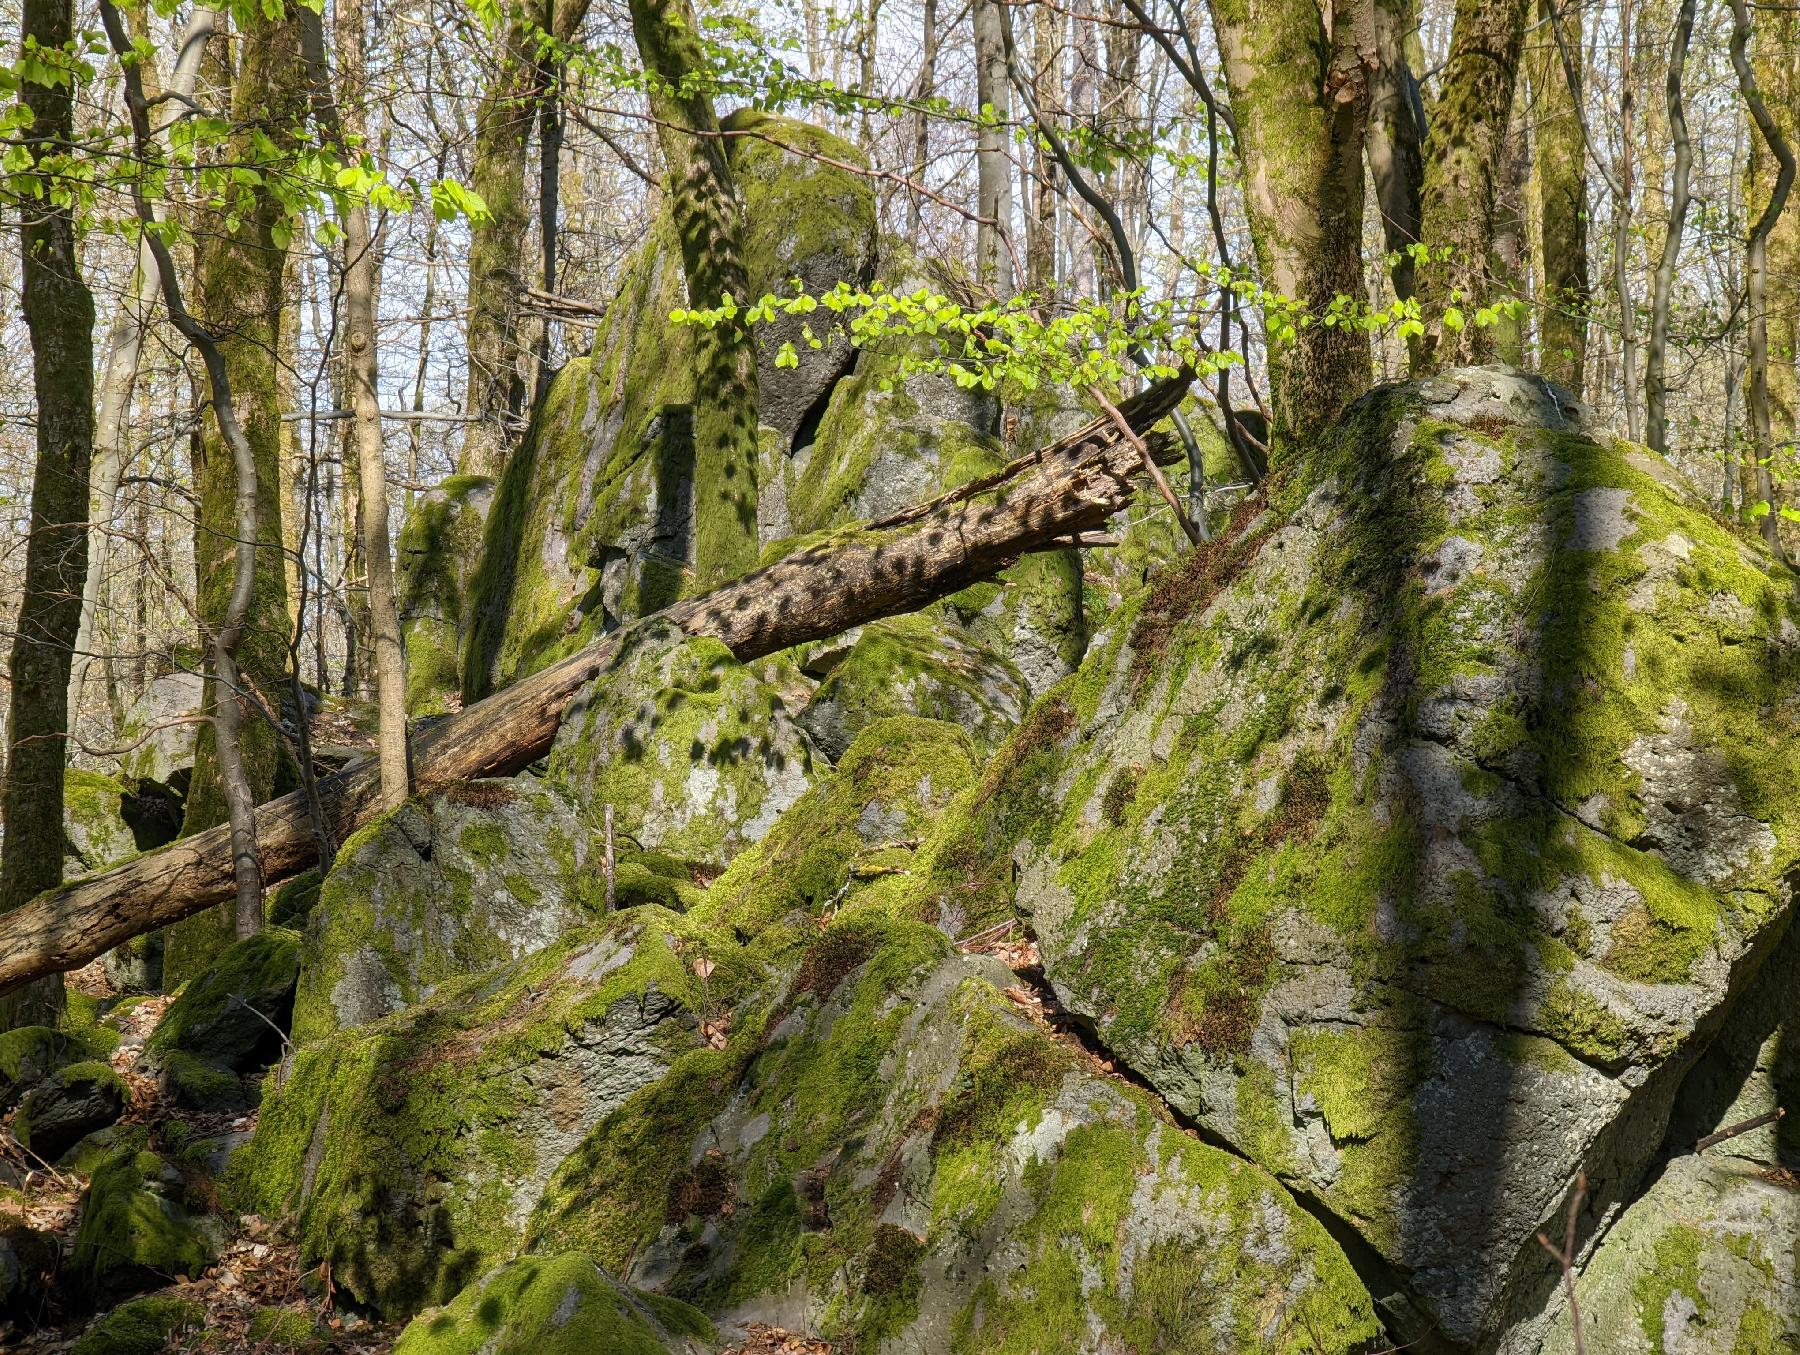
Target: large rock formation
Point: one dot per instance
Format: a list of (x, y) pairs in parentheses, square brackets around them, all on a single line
[(1415, 838), (1420, 848)]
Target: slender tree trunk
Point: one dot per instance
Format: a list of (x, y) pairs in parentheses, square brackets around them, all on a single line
[(1464, 154), (1656, 395), (1756, 270), (993, 170), (124, 349), (1395, 141), (708, 220), (496, 383), (59, 312), (1775, 58), (550, 142), (1560, 162), (339, 112), (925, 89), (240, 276), (1300, 94)]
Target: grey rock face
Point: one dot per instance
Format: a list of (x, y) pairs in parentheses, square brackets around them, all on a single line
[(1419, 852), (161, 724), (696, 754), (448, 884), (67, 1106)]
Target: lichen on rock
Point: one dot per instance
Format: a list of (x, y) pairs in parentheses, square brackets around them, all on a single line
[(436, 555), (856, 1160), (410, 1150)]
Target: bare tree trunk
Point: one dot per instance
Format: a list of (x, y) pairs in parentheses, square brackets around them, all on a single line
[(924, 90), (1043, 501), (993, 171), (1756, 269), (1464, 152), (1560, 168), (708, 220), (124, 350), (59, 312), (240, 277), (1395, 141), (1300, 95), (1656, 395)]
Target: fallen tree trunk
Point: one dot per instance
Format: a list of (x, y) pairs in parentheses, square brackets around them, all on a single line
[(1039, 502)]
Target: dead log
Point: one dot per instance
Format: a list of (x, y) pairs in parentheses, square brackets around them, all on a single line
[(857, 575)]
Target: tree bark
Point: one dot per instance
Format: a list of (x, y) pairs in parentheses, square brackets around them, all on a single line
[(709, 222), (1394, 144), (1464, 154), (1656, 356), (1775, 57), (59, 312), (993, 170), (497, 270), (1300, 92), (1043, 501), (1559, 167), (240, 287), (1756, 275)]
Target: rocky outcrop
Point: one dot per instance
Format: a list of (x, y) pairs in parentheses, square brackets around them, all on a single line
[(450, 883), (67, 1106), (229, 1020), (142, 1223), (904, 1163), (593, 520), (558, 1305), (1415, 838), (696, 754), (411, 1150), (161, 727), (915, 665)]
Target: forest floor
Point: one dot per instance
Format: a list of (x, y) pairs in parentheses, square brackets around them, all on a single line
[(259, 1269)]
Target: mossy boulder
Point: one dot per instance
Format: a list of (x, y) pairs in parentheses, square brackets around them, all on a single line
[(29, 1054), (142, 1222), (695, 753), (893, 1158), (593, 521), (233, 1013), (146, 1326), (913, 665), (1414, 836), (67, 1106), (436, 556), (450, 883), (556, 1305), (94, 822), (409, 1151)]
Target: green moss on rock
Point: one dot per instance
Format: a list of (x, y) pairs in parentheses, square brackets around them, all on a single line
[(146, 1326), (410, 1150), (556, 1305), (139, 1221), (235, 1011)]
